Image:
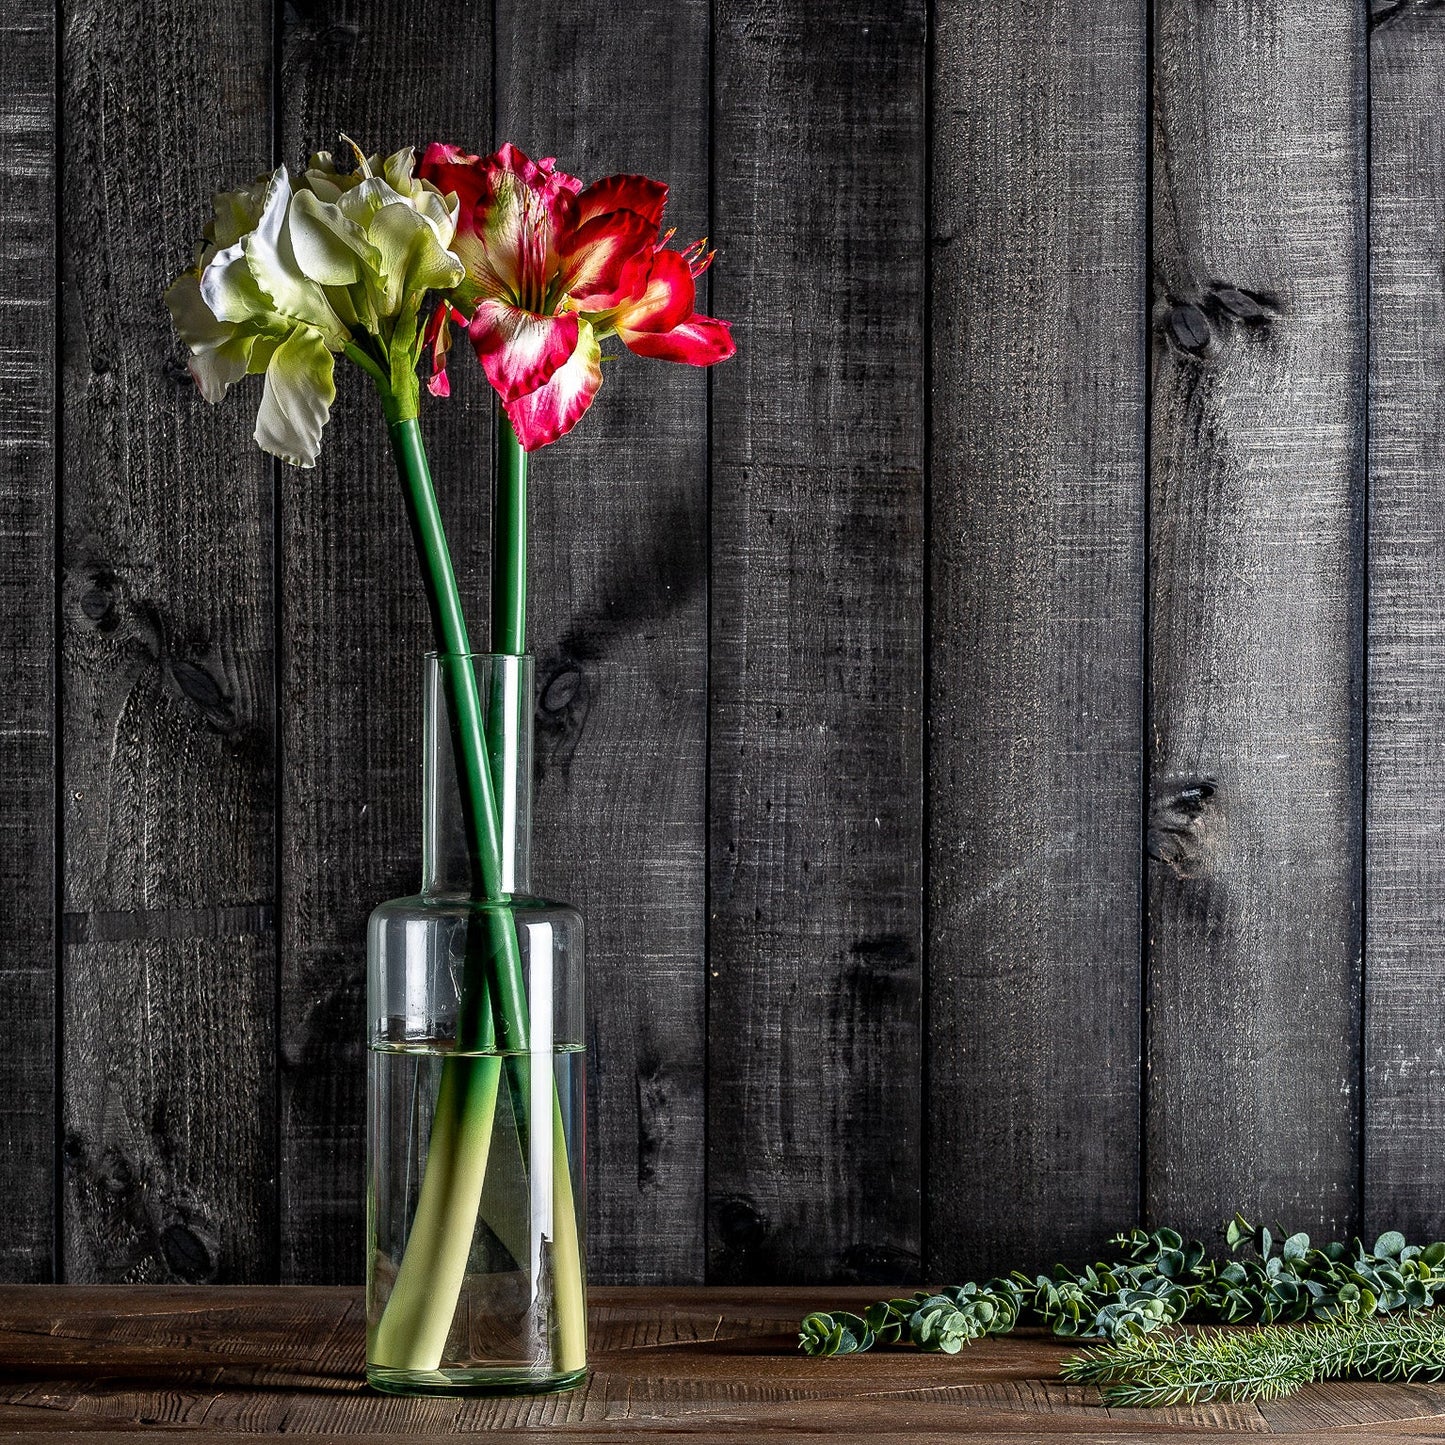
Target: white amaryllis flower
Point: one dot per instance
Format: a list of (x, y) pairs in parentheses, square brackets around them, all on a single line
[(288, 278)]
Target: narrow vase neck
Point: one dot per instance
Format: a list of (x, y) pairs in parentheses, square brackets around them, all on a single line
[(504, 687)]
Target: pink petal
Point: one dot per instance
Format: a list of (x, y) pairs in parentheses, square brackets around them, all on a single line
[(537, 174), (454, 171), (519, 351), (439, 341), (698, 341), (553, 410), (595, 257), (666, 298), (623, 193)]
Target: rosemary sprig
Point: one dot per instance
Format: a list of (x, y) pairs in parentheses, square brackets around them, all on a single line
[(1193, 1367), (1157, 1280)]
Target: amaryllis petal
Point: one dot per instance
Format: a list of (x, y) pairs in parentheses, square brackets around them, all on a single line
[(455, 172), (638, 194), (438, 342), (236, 212), (329, 247), (698, 341), (519, 351), (541, 174), (595, 258), (666, 299), (412, 256), (513, 213), (220, 353), (297, 400), (273, 263), (553, 410), (230, 290)]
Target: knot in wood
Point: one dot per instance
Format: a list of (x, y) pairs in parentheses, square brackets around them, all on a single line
[(1189, 328), (1185, 822), (191, 1253), (740, 1224)]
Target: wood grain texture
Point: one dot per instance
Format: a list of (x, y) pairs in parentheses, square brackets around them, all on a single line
[(353, 620), (169, 950), (668, 1365), (619, 625), (815, 754), (1404, 1134), (1255, 634), (27, 640), (1035, 649)]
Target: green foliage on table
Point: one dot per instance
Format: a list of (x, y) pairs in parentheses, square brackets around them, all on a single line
[(1157, 1279), (1196, 1366)]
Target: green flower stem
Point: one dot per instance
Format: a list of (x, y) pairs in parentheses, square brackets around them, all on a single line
[(509, 635), (570, 1319), (509, 543), (419, 1311), (417, 1319), (509, 591), (474, 776)]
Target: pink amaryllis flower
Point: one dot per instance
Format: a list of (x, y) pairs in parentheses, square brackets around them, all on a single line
[(553, 269)]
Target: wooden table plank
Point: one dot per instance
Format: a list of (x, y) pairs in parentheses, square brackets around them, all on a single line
[(668, 1364)]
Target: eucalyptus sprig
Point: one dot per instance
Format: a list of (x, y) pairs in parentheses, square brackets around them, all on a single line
[(1156, 1279), (1193, 1367)]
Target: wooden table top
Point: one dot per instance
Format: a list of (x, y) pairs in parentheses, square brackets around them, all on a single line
[(669, 1365)]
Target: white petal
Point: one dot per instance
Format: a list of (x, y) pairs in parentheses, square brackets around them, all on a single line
[(366, 198), (330, 249), (397, 169), (297, 400), (229, 289), (195, 321), (219, 367), (273, 264)]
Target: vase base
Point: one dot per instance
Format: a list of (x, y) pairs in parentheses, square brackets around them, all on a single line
[(473, 1380)]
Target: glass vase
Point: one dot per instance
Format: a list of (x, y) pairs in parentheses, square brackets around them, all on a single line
[(475, 1222)]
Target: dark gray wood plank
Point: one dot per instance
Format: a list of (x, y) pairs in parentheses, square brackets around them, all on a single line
[(1255, 636), (815, 1043), (27, 640), (354, 620), (619, 625), (1404, 1138), (1035, 647), (168, 1094)]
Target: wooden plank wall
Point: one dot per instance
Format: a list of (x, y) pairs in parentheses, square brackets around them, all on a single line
[(1036, 658), (168, 958), (992, 726), (28, 279), (1404, 1041), (1256, 496)]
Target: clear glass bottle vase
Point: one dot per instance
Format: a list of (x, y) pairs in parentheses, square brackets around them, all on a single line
[(475, 1219)]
